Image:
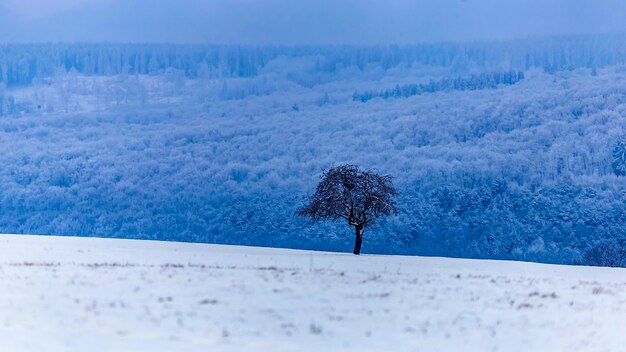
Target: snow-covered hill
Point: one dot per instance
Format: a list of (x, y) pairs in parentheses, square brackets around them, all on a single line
[(87, 294)]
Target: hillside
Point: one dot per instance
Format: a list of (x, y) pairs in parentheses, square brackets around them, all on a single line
[(220, 144), (79, 294)]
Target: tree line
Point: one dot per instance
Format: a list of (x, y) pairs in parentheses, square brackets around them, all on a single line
[(22, 64), (473, 82)]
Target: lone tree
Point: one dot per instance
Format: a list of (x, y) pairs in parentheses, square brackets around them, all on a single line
[(357, 196)]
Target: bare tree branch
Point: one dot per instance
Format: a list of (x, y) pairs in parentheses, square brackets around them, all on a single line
[(364, 195)]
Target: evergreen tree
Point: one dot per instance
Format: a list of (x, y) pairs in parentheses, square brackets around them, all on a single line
[(619, 157)]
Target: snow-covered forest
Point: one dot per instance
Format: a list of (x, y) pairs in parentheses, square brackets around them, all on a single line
[(516, 152)]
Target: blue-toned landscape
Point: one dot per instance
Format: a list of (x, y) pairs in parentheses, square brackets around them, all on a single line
[(499, 150), (312, 175)]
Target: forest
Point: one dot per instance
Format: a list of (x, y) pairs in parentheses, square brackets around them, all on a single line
[(22, 64), (509, 149)]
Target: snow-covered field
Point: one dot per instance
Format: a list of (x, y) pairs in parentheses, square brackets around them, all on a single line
[(87, 294)]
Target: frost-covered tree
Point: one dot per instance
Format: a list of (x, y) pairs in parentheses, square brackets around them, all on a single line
[(618, 161), (2, 94), (357, 196)]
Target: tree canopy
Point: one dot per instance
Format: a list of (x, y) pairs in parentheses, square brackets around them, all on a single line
[(357, 196)]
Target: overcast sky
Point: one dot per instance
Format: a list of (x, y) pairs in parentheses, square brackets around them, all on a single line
[(303, 21)]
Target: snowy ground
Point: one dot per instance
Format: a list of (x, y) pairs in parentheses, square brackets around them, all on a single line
[(85, 294)]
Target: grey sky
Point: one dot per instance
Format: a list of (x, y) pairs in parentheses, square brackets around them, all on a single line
[(303, 22)]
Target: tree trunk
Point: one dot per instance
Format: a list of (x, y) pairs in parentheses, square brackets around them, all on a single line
[(358, 240)]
